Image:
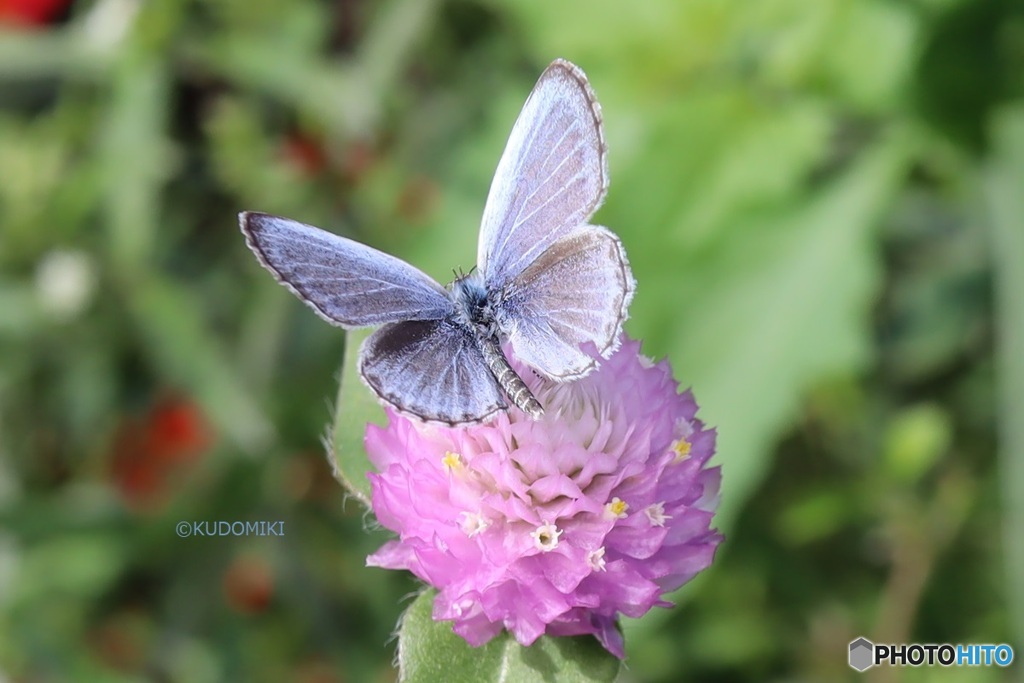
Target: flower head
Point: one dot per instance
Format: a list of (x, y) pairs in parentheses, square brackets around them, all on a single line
[(555, 525)]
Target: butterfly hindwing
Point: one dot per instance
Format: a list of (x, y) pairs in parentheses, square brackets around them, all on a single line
[(432, 369), (577, 292)]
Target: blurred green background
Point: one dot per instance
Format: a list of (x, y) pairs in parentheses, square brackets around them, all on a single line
[(823, 204)]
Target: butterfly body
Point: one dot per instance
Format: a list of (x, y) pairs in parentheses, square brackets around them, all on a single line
[(548, 283), (473, 310)]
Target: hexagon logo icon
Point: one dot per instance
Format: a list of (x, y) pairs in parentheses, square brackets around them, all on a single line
[(862, 654)]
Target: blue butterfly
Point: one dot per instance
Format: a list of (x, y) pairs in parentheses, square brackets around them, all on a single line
[(547, 282)]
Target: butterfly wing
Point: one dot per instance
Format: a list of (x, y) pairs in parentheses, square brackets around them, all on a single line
[(577, 291), (552, 175), (431, 369), (345, 282)]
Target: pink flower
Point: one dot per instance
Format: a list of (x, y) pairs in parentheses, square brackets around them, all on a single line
[(558, 525)]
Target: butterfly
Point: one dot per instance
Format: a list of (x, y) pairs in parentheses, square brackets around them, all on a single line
[(547, 282)]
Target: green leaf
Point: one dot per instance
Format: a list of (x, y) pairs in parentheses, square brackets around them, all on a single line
[(357, 406), (313, 86), (867, 52), (134, 129), (169, 319), (346, 97), (780, 307), (785, 301), (647, 40), (246, 158), (70, 567), (914, 441), (19, 302), (1004, 180), (28, 55), (739, 155), (429, 651), (388, 44)]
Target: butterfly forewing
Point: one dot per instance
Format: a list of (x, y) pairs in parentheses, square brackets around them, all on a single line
[(347, 283), (552, 175), (431, 369), (578, 291)]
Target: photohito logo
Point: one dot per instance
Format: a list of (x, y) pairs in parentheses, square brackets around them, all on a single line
[(864, 654)]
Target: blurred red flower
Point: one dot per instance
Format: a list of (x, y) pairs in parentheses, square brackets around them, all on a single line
[(248, 584), (150, 453), (305, 153), (30, 12)]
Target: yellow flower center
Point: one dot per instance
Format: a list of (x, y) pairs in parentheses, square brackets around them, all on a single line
[(681, 448), (617, 508), (452, 462)]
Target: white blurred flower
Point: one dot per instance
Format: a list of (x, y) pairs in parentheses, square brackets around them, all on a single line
[(108, 22), (65, 282)]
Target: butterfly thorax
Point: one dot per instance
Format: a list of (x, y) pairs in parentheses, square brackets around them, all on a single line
[(473, 307), (473, 310)]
